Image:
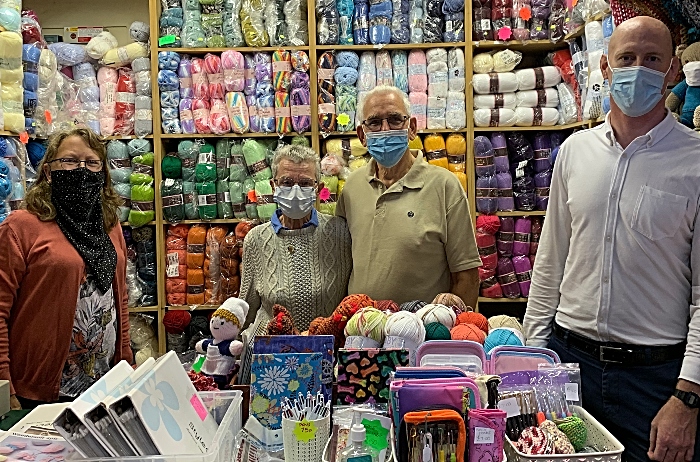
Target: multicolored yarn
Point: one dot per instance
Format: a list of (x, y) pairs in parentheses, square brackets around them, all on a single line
[(326, 92), (300, 61), (238, 112), (283, 113), (219, 122), (233, 66), (281, 70)]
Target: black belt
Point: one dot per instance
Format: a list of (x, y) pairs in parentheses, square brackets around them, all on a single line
[(620, 353)]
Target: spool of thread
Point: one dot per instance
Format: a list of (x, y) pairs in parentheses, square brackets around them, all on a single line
[(468, 332), (477, 319), (367, 322), (503, 320), (453, 301), (436, 331), (434, 312), (176, 321), (502, 336), (412, 306)]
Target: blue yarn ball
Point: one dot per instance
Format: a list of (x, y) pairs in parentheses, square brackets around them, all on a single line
[(36, 151), (346, 75), (501, 336), (348, 59), (168, 80), (5, 181)]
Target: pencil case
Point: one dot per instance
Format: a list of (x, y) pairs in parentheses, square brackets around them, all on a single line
[(432, 435), (486, 430)]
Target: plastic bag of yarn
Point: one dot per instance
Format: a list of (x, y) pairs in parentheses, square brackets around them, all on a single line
[(237, 112), (326, 92), (10, 19), (31, 30), (432, 29), (172, 200), (252, 23), (233, 65), (345, 16), (541, 10), (255, 155), (453, 27), (143, 117), (223, 200), (263, 68), (265, 102), (399, 61), (206, 200), (400, 32), (142, 205), (213, 28), (437, 107), (487, 194), (455, 112), (206, 164), (274, 22), (100, 44), (300, 99), (139, 31), (360, 22), (266, 206), (298, 32), (379, 29), (219, 122), (123, 56)]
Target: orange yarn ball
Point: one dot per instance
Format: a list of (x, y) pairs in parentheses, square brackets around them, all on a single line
[(471, 317), (468, 332)]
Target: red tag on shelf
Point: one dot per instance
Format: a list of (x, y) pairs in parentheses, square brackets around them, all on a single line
[(251, 196), (48, 117), (24, 137), (525, 13), (504, 33)]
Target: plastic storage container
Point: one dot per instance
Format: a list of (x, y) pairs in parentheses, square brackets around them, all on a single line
[(598, 436), (226, 408)]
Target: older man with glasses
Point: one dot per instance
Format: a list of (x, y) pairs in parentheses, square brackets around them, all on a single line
[(411, 229)]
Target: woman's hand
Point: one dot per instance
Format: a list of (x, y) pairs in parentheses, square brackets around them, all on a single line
[(14, 404)]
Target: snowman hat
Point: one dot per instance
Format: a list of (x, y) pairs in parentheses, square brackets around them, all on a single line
[(234, 310)]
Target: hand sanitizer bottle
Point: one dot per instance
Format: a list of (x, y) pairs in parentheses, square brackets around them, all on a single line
[(357, 450)]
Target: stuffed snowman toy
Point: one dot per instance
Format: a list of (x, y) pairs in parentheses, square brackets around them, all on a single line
[(221, 351)]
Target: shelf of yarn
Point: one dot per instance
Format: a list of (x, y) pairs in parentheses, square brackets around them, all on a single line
[(502, 300), (232, 135), (579, 124), (517, 213), (126, 223), (125, 137), (219, 221), (427, 131), (203, 51), (191, 307), (392, 46), (527, 45), (143, 309)]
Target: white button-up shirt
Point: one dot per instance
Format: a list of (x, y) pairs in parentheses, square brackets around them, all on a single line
[(618, 259)]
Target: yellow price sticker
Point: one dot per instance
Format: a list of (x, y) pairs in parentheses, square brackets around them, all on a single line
[(343, 119), (305, 431)]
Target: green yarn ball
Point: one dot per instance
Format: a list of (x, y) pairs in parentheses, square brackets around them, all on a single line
[(301, 141), (575, 429), (437, 331), (171, 167)]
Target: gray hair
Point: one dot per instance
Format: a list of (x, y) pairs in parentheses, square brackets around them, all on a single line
[(381, 89), (298, 155)]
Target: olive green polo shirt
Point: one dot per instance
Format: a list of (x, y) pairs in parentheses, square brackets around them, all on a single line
[(407, 239)]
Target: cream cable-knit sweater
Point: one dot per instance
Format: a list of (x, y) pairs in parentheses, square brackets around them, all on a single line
[(305, 270)]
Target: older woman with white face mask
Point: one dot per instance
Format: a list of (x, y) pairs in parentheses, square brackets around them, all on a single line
[(301, 259)]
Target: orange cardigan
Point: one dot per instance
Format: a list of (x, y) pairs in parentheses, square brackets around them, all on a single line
[(40, 276)]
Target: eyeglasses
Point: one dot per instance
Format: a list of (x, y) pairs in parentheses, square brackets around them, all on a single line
[(395, 121), (289, 182), (67, 163)]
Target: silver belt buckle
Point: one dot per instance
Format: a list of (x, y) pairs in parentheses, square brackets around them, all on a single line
[(603, 349)]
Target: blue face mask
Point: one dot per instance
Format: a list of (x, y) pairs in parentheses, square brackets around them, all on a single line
[(636, 89), (388, 147)]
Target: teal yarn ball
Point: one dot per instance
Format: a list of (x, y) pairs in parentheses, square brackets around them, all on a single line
[(171, 166), (437, 331), (501, 336)]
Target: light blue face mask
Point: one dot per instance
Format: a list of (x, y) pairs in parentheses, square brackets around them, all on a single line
[(637, 89), (387, 147)]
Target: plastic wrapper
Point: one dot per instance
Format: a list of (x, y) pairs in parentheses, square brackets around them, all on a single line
[(380, 14), (524, 193), (213, 28), (557, 18), (400, 25), (125, 107), (252, 23), (541, 10), (142, 192), (274, 22), (327, 22), (501, 19), (521, 26), (360, 21), (487, 194), (481, 20), (232, 26)]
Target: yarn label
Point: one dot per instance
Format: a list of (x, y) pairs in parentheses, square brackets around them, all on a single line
[(119, 163), (259, 166), (418, 110), (484, 435), (485, 161), (206, 158), (216, 79), (142, 206), (437, 77), (571, 390), (417, 69), (195, 248), (360, 22), (326, 108), (456, 159), (325, 74), (189, 163), (232, 76), (384, 74), (31, 67), (185, 82), (542, 192), (281, 66), (206, 199), (282, 112), (144, 169), (524, 276), (301, 111), (521, 237), (126, 97), (505, 192), (266, 112), (237, 159), (265, 199), (504, 236), (172, 201), (520, 169), (436, 155), (506, 279), (485, 24), (486, 251), (486, 192), (223, 197), (195, 290), (542, 154), (144, 114), (238, 208), (436, 113), (172, 269), (510, 405), (249, 73), (108, 92), (223, 162)]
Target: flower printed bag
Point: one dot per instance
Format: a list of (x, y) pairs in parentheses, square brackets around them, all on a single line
[(274, 376)]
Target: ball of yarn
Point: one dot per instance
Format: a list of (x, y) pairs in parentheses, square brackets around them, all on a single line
[(348, 59), (406, 325), (100, 44), (367, 322), (478, 319), (388, 306), (139, 31), (575, 429), (412, 306), (501, 336), (435, 312), (176, 321), (468, 332), (172, 167), (436, 331), (488, 224), (560, 442), (199, 324), (451, 300), (503, 320)]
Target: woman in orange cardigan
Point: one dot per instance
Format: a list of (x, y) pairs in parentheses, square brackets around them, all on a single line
[(63, 296)]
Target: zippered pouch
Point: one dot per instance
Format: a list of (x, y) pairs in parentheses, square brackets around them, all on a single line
[(508, 358), (464, 354), (432, 435), (428, 372), (486, 430)]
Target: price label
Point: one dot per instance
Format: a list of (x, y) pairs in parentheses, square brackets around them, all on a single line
[(572, 392), (172, 270), (484, 435), (376, 434), (510, 405), (305, 431)]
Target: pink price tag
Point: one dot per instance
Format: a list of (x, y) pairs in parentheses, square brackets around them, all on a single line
[(198, 407)]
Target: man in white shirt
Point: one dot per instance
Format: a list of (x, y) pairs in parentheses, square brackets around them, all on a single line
[(616, 286)]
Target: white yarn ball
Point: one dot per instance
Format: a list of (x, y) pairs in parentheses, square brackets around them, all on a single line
[(139, 31), (483, 63), (434, 312), (506, 60), (101, 44), (406, 325)]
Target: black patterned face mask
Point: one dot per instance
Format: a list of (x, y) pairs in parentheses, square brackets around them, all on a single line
[(77, 196)]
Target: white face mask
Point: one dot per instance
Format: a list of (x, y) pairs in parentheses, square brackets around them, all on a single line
[(295, 202), (692, 73)]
